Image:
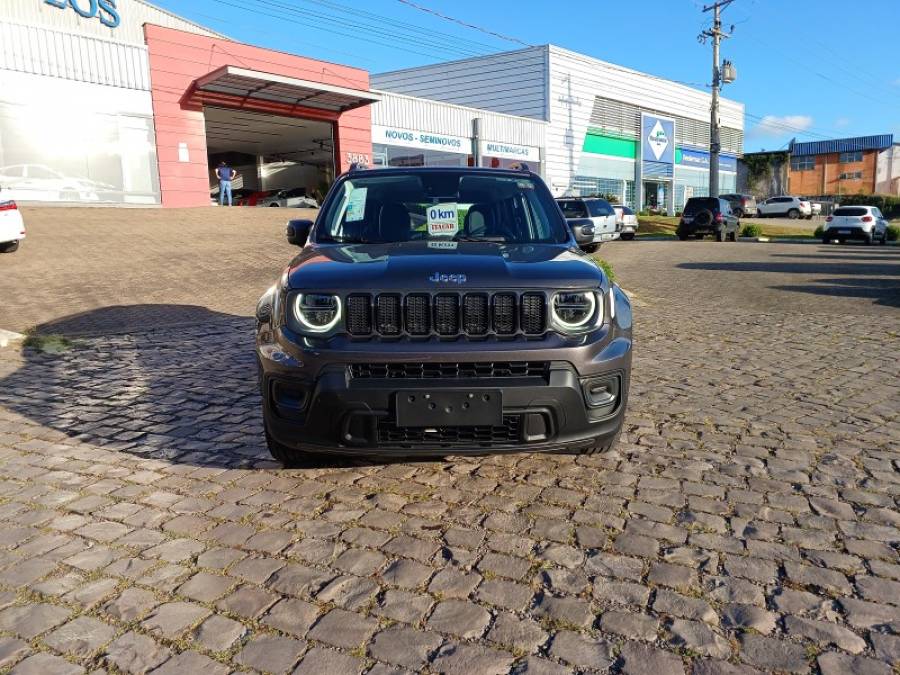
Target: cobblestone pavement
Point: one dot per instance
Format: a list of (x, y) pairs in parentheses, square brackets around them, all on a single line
[(747, 520)]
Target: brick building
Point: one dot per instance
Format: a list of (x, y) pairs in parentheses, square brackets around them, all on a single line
[(860, 165)]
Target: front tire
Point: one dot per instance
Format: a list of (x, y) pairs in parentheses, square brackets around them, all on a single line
[(9, 246), (627, 236), (275, 205), (682, 236)]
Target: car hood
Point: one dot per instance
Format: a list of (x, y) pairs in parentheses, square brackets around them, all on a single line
[(429, 265)]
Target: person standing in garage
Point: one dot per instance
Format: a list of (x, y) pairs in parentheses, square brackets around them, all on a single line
[(225, 174)]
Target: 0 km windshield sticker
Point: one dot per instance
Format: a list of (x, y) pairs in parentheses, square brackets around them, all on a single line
[(356, 205), (443, 220)]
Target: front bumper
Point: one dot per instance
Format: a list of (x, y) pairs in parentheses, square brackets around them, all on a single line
[(847, 233), (325, 401)]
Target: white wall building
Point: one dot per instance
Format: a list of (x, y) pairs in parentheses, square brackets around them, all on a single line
[(887, 171), (594, 138)]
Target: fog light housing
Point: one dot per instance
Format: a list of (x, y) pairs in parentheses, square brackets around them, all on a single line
[(602, 394), (289, 399)]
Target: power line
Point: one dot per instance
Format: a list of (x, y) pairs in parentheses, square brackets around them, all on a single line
[(487, 31)]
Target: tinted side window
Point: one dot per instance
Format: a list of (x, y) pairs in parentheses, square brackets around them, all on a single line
[(600, 207), (573, 209), (850, 211)]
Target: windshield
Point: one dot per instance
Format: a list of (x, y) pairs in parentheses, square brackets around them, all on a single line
[(850, 211), (441, 205), (573, 209), (600, 207)]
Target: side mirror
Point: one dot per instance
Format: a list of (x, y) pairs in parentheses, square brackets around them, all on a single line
[(583, 231), (298, 231), (282, 194)]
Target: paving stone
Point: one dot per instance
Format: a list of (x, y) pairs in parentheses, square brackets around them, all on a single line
[(833, 663), (515, 634), (632, 626), (507, 566), (135, 653), (217, 633), (505, 594), (887, 647), (879, 590), (459, 617), (460, 659), (817, 577), (132, 604), (670, 602), (582, 651), (205, 587), (407, 573), (255, 570), (864, 614), (698, 637), (349, 592), (452, 583), (638, 659), (344, 629), (298, 580), (620, 592), (80, 637), (193, 663), (615, 566), (404, 646), (319, 660), (824, 633), (174, 618), (359, 562), (673, 576), (271, 654), (12, 650), (29, 621), (46, 664), (773, 654), (567, 611), (710, 667), (292, 616), (743, 617), (533, 665)]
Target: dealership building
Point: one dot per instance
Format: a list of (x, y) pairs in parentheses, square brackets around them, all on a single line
[(105, 101)]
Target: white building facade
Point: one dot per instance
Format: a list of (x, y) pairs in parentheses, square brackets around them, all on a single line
[(599, 118)]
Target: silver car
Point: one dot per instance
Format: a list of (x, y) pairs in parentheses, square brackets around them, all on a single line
[(598, 211), (627, 222)]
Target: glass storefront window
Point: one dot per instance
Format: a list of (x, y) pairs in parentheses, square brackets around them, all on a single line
[(394, 155)]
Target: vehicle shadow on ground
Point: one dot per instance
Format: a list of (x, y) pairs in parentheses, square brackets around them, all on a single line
[(875, 277), (182, 388)]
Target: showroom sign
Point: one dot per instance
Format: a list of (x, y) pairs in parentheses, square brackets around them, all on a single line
[(509, 151), (657, 139), (700, 160), (424, 140), (104, 10)]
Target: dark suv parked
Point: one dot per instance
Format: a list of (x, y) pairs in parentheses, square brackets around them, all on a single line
[(708, 215), (439, 311)]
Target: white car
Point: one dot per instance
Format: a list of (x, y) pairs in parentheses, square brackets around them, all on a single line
[(863, 223), (598, 211), (627, 222), (295, 198), (12, 227), (790, 207), (41, 183)]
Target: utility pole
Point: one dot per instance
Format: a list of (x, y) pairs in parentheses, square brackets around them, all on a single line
[(724, 73)]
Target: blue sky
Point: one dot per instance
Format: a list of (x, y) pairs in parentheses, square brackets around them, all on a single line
[(807, 68)]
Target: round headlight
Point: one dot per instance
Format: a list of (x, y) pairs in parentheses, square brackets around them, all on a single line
[(575, 310), (316, 312)]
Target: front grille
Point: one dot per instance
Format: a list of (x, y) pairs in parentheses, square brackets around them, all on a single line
[(508, 433), (466, 370), (447, 314)]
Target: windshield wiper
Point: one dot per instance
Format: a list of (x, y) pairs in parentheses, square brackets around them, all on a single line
[(492, 240)]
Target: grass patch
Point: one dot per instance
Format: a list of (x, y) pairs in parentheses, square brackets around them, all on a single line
[(607, 269), (657, 225), (48, 344)]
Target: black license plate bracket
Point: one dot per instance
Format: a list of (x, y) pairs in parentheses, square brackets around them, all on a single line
[(449, 407)]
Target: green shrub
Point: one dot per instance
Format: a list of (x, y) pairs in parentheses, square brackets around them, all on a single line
[(893, 232), (751, 230), (820, 230)]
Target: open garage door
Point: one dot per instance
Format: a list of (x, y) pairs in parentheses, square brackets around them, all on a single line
[(271, 153)]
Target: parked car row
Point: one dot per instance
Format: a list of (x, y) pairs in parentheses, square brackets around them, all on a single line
[(609, 221)]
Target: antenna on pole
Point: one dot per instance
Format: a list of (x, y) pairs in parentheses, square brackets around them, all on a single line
[(722, 74)]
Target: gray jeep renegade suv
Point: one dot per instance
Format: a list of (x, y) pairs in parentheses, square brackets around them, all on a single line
[(436, 311)]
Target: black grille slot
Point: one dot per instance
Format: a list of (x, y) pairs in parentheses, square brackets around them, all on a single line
[(464, 370), (508, 433), (476, 320), (359, 315), (446, 314), (387, 314), (533, 318), (505, 313), (417, 315)]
